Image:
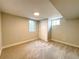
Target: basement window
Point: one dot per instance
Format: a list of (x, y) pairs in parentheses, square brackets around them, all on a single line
[(32, 26), (56, 22)]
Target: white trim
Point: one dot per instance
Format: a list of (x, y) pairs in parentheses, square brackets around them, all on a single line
[(70, 44), (7, 46), (0, 51)]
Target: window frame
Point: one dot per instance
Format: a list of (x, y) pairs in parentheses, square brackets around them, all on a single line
[(54, 20), (29, 26)]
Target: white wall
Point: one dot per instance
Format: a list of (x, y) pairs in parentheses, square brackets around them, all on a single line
[(43, 30), (15, 29), (0, 34), (49, 29), (67, 31)]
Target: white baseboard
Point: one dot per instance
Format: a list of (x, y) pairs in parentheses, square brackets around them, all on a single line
[(74, 45), (18, 43)]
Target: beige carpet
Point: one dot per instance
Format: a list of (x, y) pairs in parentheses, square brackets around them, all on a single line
[(40, 50)]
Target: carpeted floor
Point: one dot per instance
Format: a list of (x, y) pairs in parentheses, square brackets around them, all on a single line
[(40, 50)]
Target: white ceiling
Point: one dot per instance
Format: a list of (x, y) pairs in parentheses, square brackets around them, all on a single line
[(68, 8), (26, 8)]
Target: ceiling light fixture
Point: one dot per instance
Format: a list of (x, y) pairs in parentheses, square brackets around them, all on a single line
[(36, 14)]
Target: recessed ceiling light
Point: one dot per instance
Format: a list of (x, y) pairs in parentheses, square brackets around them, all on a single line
[(36, 14)]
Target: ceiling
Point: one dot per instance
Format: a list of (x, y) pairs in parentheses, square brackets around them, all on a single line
[(26, 8), (68, 8)]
